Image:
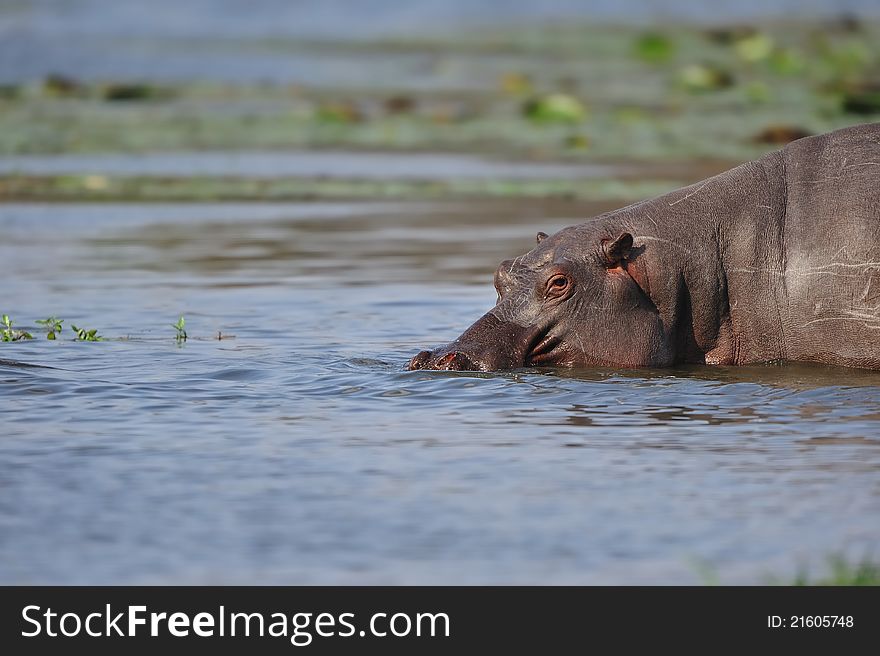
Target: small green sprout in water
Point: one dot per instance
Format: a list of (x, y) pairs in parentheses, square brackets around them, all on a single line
[(10, 334), (181, 332), (52, 325), (83, 335)]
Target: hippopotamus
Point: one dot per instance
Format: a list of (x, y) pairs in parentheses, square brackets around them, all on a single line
[(776, 260)]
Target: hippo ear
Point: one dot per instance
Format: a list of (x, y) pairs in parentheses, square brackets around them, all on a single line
[(613, 251), (542, 236)]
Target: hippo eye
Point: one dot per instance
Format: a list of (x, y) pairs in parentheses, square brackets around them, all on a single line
[(557, 285)]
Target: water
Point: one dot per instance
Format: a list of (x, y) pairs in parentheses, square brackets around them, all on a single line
[(305, 163), (297, 449), (204, 40)]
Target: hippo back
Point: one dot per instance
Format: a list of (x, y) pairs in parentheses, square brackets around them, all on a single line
[(829, 280)]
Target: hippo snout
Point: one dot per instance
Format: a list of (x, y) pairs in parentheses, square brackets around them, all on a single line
[(419, 360), (490, 344), (449, 361)]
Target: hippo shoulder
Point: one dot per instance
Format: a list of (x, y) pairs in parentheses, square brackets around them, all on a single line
[(850, 156)]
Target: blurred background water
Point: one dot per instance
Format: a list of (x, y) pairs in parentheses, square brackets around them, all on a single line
[(198, 38)]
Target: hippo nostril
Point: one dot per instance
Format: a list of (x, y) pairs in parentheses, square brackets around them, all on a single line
[(454, 361), (446, 361), (419, 360)]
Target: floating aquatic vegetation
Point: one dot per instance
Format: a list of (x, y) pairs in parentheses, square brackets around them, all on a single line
[(116, 92), (150, 189), (754, 48), (555, 108), (862, 99), (400, 105), (728, 35), (180, 330), (84, 335), (654, 47), (95, 182), (577, 142), (515, 83), (844, 61), (52, 325), (636, 111), (758, 92), (340, 111), (704, 77), (786, 61), (629, 115), (58, 85), (10, 334)]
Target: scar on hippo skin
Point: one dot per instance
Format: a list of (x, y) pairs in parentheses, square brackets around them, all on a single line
[(775, 260)]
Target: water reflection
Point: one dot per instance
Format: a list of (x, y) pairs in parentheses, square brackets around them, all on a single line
[(408, 242), (791, 375)]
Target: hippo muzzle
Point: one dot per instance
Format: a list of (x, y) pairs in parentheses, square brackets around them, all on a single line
[(490, 344), (445, 359)]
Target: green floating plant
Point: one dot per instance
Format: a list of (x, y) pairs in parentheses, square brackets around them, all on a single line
[(179, 327), (52, 325), (10, 334), (654, 47), (555, 108), (83, 335)]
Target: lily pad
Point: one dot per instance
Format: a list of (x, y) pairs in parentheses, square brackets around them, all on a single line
[(654, 48), (704, 77), (555, 108), (754, 48)]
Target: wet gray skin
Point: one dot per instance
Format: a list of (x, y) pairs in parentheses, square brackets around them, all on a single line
[(553, 302), (775, 260)]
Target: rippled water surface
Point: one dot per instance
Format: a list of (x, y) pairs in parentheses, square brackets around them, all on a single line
[(297, 449)]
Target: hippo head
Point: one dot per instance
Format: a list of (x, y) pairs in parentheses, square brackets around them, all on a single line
[(579, 299)]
